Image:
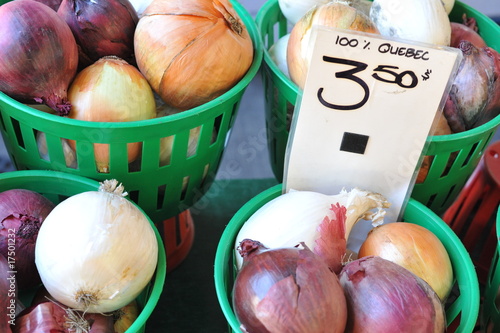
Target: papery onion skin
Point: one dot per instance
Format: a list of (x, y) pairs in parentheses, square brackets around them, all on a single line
[(416, 249), (38, 54), (460, 32), (111, 90), (332, 14), (96, 251), (22, 213), (386, 297), (192, 51), (101, 28), (287, 290)]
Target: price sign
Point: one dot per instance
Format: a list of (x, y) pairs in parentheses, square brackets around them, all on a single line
[(364, 115)]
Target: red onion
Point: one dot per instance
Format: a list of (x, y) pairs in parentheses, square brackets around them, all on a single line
[(101, 28), (471, 88), (8, 296), (22, 212), (492, 109), (287, 290), (38, 54), (460, 32), (54, 4), (386, 297), (51, 316)]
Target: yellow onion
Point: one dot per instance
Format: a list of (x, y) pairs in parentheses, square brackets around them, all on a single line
[(338, 15), (111, 90), (416, 249), (192, 51)]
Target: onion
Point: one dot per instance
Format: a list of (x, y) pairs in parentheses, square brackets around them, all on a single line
[(287, 290), (192, 51), (96, 251), (43, 150), (416, 249), (424, 21), (101, 28), (303, 216), (111, 90), (8, 295), (50, 316), (125, 317), (332, 14), (460, 32), (54, 4), (471, 88), (22, 213), (293, 10), (277, 52), (38, 54), (386, 297)]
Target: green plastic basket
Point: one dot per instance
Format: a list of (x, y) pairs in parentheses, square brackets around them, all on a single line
[(454, 157), (462, 309), (57, 186), (490, 315), (162, 191)]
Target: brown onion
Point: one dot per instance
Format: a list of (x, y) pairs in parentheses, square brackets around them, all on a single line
[(192, 51), (22, 213), (332, 14), (111, 90), (101, 28), (385, 297), (416, 249), (38, 54), (287, 290)]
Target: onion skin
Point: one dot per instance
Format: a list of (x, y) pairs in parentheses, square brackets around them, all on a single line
[(101, 28), (460, 31), (416, 249), (333, 14), (38, 54), (287, 290), (111, 90), (22, 213), (386, 297), (192, 51)]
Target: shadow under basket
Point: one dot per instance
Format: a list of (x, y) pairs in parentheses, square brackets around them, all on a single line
[(57, 186), (462, 306), (452, 157), (162, 188)]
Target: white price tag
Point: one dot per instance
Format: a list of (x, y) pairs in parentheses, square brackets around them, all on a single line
[(363, 118)]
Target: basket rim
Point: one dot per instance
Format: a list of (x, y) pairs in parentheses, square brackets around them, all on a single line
[(267, 60), (161, 267), (236, 89), (234, 225)]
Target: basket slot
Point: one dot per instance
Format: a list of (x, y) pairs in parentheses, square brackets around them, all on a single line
[(150, 155), (55, 152)]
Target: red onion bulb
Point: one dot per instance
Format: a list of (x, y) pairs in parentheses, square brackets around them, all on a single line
[(38, 54), (287, 290), (101, 28), (8, 296), (22, 212), (385, 297)]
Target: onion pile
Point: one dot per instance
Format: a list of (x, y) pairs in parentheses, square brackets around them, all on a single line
[(397, 282)]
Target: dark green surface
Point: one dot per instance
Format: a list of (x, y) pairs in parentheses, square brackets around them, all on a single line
[(189, 302)]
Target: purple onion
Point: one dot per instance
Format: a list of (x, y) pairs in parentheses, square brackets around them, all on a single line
[(22, 212), (385, 297)]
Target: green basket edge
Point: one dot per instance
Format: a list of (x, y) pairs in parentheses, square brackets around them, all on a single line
[(161, 270), (224, 252), (236, 89)]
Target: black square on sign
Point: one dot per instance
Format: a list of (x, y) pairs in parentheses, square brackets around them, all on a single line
[(354, 143)]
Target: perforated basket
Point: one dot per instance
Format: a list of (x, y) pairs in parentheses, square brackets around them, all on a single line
[(453, 157), (162, 191), (462, 308), (58, 186)]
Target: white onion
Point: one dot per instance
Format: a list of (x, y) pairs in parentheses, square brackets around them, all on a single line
[(96, 251)]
